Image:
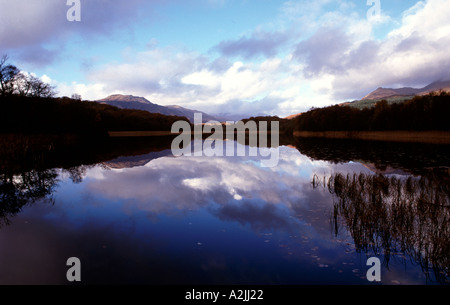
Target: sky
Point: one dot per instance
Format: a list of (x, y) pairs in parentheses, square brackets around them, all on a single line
[(237, 57)]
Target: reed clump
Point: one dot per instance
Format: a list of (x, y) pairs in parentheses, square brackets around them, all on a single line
[(391, 215)]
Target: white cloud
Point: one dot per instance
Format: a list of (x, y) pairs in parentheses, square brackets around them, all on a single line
[(87, 91), (413, 54), (93, 91), (205, 78), (335, 57), (166, 76), (201, 184)]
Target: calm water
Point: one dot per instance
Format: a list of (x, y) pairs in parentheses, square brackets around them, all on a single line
[(151, 218)]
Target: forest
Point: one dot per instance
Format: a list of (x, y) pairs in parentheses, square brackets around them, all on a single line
[(67, 115), (427, 112)]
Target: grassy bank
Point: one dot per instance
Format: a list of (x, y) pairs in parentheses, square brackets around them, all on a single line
[(431, 137)]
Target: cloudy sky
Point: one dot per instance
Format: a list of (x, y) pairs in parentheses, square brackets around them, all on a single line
[(269, 57)]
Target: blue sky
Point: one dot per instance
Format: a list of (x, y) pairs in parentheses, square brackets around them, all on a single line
[(247, 57)]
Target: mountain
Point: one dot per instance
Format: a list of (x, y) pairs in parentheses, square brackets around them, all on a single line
[(136, 161), (230, 117), (382, 93), (391, 95), (189, 113), (436, 86), (293, 116), (140, 103)]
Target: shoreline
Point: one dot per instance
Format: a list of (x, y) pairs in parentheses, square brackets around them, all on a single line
[(116, 134), (429, 137)]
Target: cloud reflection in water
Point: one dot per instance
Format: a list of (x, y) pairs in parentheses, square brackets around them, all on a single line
[(199, 220)]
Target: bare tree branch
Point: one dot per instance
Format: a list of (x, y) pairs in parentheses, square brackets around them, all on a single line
[(8, 75), (13, 81)]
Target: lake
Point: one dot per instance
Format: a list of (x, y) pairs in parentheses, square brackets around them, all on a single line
[(135, 214)]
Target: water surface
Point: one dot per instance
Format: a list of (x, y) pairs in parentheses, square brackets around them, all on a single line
[(151, 218)]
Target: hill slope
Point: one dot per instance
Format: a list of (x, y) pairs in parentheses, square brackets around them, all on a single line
[(189, 113), (382, 93), (71, 116), (140, 103)]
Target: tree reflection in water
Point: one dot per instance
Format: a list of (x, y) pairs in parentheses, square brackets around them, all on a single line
[(390, 215), (19, 190), (31, 164), (16, 191)]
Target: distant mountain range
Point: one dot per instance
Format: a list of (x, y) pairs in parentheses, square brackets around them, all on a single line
[(140, 103), (382, 93), (391, 95)]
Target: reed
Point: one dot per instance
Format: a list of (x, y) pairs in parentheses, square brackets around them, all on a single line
[(390, 215)]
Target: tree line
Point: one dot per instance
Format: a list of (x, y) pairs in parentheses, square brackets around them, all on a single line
[(427, 112), (67, 115)]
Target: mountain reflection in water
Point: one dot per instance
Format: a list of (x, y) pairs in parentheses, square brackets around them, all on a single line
[(130, 210)]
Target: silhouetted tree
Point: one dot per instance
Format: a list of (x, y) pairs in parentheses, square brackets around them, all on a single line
[(22, 85), (76, 96), (8, 75), (13, 81), (38, 88)]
